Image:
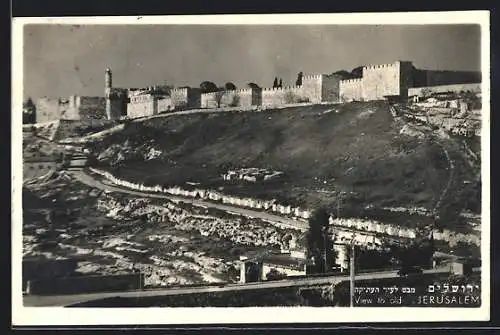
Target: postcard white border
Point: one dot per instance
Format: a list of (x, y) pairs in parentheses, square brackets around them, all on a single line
[(115, 316)]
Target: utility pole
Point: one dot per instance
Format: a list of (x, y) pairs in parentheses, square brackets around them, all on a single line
[(339, 200), (352, 274), (324, 250)]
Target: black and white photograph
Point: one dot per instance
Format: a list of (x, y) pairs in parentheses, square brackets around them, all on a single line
[(285, 162)]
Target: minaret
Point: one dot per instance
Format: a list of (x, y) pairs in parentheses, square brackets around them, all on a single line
[(108, 85)]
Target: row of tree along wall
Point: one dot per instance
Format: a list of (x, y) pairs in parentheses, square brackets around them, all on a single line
[(350, 223), (231, 98), (313, 89)]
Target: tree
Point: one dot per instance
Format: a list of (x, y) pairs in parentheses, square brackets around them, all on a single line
[(357, 72), (29, 111), (208, 87), (426, 93), (253, 85), (281, 83), (230, 86), (218, 96), (252, 273), (299, 79), (275, 83), (319, 244), (235, 100)]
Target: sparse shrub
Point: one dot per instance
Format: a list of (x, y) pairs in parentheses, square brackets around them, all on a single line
[(289, 97), (426, 93), (274, 274)]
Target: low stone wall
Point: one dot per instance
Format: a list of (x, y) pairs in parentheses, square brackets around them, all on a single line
[(86, 284), (210, 195), (298, 213)]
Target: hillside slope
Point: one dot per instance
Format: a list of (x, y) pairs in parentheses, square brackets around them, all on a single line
[(356, 148)]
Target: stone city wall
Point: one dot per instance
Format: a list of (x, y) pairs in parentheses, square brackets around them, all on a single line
[(164, 104), (186, 97), (351, 89), (438, 78), (47, 109), (91, 108), (418, 91), (312, 88), (280, 96), (73, 108), (381, 80), (234, 98)]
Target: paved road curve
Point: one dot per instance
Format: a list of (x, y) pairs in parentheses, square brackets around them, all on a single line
[(66, 300)]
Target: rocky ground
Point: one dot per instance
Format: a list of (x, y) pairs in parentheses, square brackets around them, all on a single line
[(172, 243)]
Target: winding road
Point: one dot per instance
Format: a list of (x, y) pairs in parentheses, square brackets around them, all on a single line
[(67, 300)]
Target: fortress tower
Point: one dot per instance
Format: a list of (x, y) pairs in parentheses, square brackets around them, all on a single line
[(108, 78)]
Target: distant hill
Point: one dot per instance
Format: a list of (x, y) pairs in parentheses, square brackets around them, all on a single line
[(357, 148)]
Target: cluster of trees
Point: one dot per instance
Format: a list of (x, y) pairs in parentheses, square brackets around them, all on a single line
[(277, 84), (29, 112), (319, 248), (319, 245), (211, 87)]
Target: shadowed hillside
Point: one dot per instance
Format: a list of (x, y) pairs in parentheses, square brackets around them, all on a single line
[(356, 148)]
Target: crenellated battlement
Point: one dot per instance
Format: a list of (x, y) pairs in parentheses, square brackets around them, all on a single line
[(312, 77), (237, 91), (380, 66), (180, 90), (355, 80), (280, 89), (377, 82)]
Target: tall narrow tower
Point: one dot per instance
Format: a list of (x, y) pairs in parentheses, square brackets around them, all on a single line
[(108, 76)]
